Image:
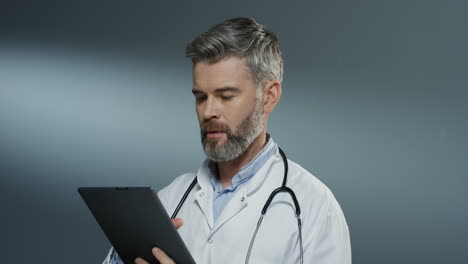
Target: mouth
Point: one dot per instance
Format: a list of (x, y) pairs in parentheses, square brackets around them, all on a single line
[(214, 134)]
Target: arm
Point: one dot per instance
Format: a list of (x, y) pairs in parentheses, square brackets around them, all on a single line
[(329, 243)]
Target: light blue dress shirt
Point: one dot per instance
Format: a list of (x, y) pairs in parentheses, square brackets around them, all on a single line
[(222, 196)]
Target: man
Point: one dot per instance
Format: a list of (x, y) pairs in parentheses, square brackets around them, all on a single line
[(237, 74)]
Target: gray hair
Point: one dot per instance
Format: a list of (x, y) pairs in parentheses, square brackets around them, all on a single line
[(242, 37)]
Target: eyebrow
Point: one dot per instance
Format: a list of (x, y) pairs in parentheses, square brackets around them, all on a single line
[(218, 90)]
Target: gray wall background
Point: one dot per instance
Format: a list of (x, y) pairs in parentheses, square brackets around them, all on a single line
[(374, 104)]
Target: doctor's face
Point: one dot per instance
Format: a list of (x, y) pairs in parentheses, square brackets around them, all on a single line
[(229, 112)]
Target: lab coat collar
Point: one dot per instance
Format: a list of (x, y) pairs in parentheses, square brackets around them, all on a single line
[(204, 196), (263, 173)]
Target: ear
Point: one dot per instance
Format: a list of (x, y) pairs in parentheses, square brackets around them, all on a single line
[(271, 96)]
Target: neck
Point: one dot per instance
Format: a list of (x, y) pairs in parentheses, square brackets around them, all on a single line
[(228, 169)]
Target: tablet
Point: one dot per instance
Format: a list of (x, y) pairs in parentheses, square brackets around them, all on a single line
[(135, 221)]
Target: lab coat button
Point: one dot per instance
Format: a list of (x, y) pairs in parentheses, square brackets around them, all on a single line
[(201, 194), (242, 199), (210, 241)]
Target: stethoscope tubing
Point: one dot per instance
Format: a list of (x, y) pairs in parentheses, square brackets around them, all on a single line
[(278, 190)]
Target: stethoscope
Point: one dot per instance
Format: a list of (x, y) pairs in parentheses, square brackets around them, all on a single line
[(283, 188)]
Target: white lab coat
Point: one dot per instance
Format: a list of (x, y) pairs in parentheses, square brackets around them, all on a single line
[(324, 229)]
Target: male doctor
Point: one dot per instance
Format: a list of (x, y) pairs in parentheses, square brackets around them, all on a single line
[(237, 74)]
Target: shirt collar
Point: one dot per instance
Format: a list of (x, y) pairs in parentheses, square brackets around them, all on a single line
[(248, 170)]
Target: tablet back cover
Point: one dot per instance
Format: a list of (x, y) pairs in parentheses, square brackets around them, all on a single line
[(135, 221)]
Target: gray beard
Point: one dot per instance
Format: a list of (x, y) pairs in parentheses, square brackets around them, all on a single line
[(236, 144)]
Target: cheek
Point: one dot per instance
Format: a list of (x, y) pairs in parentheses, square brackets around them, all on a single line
[(237, 118), (198, 114)]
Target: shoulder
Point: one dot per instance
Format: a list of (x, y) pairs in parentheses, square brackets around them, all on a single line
[(175, 189), (305, 182), (316, 197), (325, 231)]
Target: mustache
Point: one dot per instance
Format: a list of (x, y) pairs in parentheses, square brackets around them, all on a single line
[(212, 126)]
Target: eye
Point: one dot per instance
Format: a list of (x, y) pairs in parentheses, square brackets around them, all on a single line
[(200, 98), (227, 98)]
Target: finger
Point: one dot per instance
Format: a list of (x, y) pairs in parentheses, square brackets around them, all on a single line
[(140, 261), (162, 257), (178, 222)]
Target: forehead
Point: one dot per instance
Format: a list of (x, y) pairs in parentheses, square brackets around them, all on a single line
[(231, 71)]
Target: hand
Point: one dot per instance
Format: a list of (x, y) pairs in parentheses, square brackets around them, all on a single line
[(158, 253), (178, 222)]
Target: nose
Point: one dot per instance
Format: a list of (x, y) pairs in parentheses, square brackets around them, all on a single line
[(210, 109)]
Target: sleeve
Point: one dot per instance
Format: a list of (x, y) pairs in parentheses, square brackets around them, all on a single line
[(112, 258), (329, 243)]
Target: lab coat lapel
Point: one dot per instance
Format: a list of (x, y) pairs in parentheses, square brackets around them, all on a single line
[(240, 200), (204, 196)]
